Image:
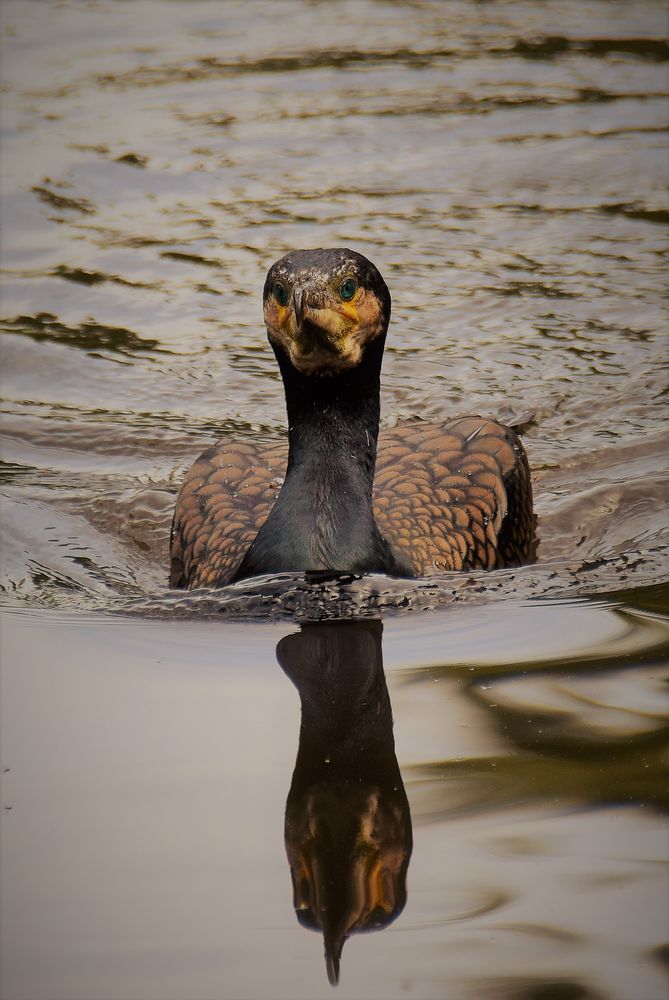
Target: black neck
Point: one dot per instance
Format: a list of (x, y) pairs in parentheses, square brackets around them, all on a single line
[(322, 518), (346, 734)]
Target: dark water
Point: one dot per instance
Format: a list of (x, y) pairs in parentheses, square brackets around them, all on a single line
[(505, 166)]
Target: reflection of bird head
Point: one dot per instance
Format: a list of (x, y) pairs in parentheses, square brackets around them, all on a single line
[(349, 850), (322, 307)]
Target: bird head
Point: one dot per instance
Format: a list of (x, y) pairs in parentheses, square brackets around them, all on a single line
[(322, 308)]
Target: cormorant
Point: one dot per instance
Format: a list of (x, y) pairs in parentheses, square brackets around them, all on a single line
[(432, 498)]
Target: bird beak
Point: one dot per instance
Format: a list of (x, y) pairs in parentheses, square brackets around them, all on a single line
[(298, 307)]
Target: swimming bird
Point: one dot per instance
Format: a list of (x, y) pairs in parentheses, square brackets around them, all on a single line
[(418, 500)]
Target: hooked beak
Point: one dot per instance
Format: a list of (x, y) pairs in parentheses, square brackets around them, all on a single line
[(298, 307)]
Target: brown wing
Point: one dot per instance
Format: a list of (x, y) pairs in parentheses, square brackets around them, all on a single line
[(446, 497), (455, 496), (225, 498)]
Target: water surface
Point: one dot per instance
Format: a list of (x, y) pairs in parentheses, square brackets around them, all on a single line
[(505, 167)]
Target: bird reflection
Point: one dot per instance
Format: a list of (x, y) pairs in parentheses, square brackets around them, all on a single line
[(347, 825)]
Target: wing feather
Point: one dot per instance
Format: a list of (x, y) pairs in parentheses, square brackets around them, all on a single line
[(225, 498), (455, 496), (446, 497)]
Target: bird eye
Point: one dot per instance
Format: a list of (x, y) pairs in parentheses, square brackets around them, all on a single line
[(280, 293), (349, 287)]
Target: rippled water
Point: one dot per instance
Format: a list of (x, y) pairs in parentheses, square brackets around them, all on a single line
[(504, 164)]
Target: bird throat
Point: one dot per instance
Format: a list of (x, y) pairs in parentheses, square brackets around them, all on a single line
[(322, 519)]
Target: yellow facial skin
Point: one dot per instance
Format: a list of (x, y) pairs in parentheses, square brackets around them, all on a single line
[(321, 333)]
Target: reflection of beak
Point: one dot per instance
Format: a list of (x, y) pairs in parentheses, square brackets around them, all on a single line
[(334, 945), (298, 307)]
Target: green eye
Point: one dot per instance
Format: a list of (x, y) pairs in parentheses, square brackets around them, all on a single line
[(280, 293), (348, 289)]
